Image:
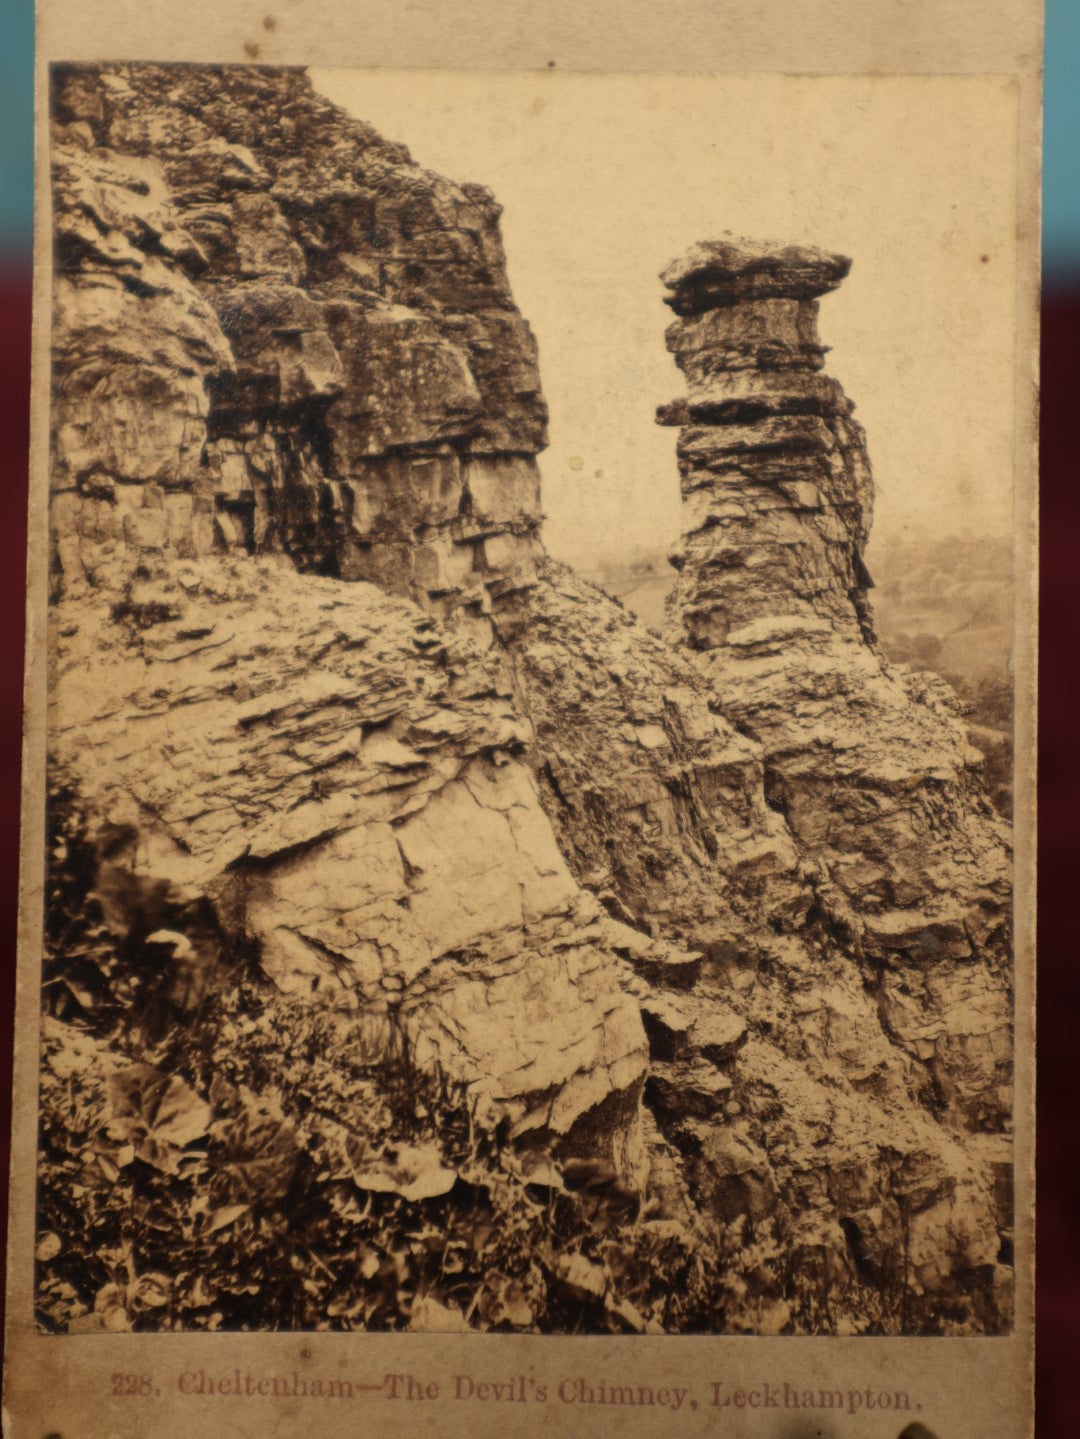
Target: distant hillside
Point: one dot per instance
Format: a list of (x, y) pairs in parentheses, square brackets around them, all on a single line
[(945, 603)]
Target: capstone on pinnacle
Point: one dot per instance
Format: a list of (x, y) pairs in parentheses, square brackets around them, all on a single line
[(716, 273)]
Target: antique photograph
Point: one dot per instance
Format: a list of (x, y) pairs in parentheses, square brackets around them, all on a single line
[(530, 704)]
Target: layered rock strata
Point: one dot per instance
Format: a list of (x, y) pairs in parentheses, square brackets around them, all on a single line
[(279, 334), (285, 357), (693, 910), (345, 785), (866, 762), (774, 1079)]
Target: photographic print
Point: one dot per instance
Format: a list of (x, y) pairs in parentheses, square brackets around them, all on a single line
[(431, 940), (529, 743)]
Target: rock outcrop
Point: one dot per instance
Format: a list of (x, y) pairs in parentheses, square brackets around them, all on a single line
[(286, 357), (345, 785), (728, 915), (872, 772), (775, 1078), (280, 333)]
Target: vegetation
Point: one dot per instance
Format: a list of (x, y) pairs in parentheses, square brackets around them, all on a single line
[(241, 1162)]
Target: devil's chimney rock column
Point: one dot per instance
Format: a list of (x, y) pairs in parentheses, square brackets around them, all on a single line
[(867, 762)]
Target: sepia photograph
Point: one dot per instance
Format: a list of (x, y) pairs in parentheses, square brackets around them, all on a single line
[(530, 705)]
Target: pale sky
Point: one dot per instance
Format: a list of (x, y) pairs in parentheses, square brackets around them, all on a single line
[(606, 178)]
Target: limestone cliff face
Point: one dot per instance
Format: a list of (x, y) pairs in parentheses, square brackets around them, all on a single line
[(727, 914), (281, 334), (285, 357), (345, 785)]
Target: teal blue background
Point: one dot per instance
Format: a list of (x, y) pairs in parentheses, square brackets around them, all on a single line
[(1061, 214), (1061, 143), (16, 127)]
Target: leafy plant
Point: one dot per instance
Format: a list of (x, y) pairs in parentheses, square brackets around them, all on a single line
[(262, 1164)]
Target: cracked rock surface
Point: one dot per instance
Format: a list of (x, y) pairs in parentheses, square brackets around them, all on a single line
[(345, 783), (726, 910), (867, 763), (777, 1075), (283, 335)]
